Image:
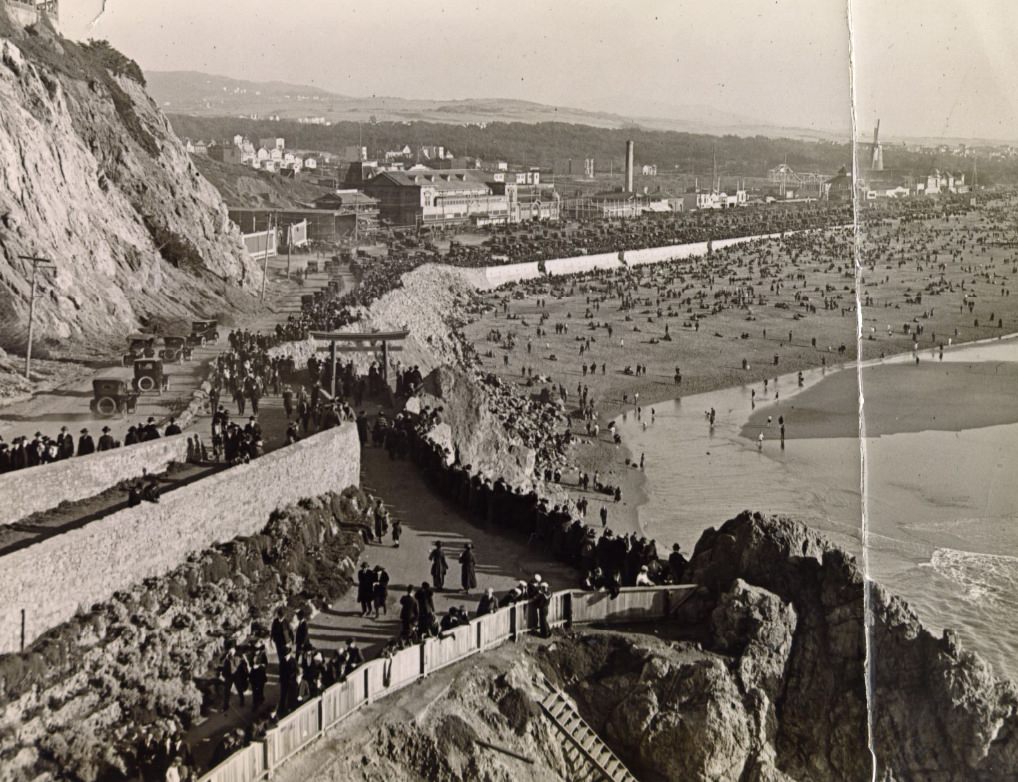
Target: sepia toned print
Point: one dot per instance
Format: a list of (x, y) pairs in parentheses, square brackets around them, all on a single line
[(486, 391)]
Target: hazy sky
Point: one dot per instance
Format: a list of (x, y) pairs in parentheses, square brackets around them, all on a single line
[(925, 67)]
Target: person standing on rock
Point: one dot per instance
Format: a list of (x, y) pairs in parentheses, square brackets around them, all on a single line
[(468, 568), (439, 565), (676, 564)]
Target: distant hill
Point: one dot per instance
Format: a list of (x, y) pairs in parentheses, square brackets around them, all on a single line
[(202, 94)]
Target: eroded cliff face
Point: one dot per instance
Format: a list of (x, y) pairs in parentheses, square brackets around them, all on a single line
[(92, 177)]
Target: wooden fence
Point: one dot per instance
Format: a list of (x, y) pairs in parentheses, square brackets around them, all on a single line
[(385, 675)]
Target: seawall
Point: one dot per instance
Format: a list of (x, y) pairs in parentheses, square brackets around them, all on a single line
[(491, 277), (50, 581), (40, 488)]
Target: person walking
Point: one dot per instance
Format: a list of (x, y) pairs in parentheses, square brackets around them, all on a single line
[(439, 565), (468, 568), (397, 531)]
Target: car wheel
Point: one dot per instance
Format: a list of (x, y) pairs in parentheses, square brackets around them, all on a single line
[(145, 383), (106, 406)]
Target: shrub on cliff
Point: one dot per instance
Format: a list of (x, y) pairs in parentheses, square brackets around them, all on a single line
[(114, 61)]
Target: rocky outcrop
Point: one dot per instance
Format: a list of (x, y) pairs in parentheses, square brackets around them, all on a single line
[(471, 428), (92, 177), (936, 712)]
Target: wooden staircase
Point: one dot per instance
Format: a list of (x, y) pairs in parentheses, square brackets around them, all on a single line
[(590, 758)]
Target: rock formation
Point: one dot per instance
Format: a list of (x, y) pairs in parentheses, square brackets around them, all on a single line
[(937, 712), (92, 177)]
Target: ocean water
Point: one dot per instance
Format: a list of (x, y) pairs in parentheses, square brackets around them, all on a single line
[(942, 505)]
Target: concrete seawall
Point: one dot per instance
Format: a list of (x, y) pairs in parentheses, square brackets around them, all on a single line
[(51, 580), (490, 277), (35, 489)]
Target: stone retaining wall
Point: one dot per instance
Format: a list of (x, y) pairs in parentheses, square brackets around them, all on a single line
[(35, 489), (52, 579)]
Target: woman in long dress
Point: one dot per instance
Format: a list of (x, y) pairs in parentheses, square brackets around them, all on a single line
[(468, 568)]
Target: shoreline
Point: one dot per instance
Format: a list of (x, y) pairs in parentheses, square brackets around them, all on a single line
[(635, 484)]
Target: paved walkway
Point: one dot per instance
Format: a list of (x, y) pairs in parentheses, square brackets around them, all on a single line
[(502, 560)]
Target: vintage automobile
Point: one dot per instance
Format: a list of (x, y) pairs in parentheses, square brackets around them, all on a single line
[(176, 349), (203, 332), (142, 346), (149, 377), (112, 396)]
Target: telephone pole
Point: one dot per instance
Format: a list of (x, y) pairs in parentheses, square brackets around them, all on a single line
[(47, 265)]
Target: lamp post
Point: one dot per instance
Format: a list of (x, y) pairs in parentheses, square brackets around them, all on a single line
[(47, 265)]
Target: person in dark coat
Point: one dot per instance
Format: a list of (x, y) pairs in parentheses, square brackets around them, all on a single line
[(468, 568), (259, 676), (106, 441), (354, 657), (542, 601), (288, 669), (676, 564), (302, 636), (366, 588), (227, 668), (281, 634), (425, 606), (132, 436), (86, 445), (439, 565), (409, 613), (488, 603), (241, 676), (381, 590), (65, 443), (172, 428)]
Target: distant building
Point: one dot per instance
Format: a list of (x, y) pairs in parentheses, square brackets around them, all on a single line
[(272, 143), (649, 170), (226, 153), (352, 153), (25, 13), (426, 196)]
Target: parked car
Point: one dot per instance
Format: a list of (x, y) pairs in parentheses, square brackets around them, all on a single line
[(176, 349), (111, 396), (149, 376), (203, 332)]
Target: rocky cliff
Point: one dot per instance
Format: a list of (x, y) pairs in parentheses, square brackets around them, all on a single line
[(92, 177), (935, 711)]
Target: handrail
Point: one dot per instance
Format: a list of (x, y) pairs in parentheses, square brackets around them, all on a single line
[(384, 675)]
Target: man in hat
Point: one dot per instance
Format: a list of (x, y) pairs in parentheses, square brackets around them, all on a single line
[(86, 445), (172, 429), (366, 588), (676, 564), (468, 568), (151, 431), (65, 443), (132, 436), (439, 565), (106, 441)]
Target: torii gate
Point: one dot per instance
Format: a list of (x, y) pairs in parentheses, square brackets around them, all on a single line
[(360, 342)]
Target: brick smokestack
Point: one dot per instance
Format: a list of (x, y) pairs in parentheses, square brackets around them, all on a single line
[(629, 166)]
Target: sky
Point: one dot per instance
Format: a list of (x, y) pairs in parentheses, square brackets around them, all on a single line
[(926, 68)]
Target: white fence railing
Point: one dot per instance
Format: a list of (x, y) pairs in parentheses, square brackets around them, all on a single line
[(385, 675)]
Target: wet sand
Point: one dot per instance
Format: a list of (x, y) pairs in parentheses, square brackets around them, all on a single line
[(898, 399)]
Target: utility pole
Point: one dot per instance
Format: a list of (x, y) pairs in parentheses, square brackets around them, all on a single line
[(48, 265)]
